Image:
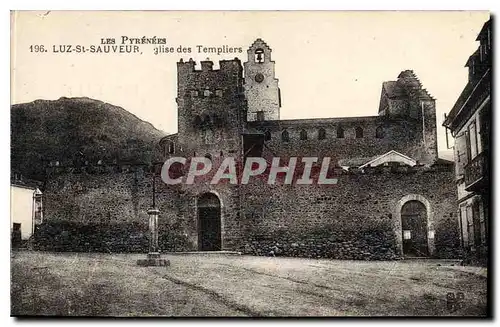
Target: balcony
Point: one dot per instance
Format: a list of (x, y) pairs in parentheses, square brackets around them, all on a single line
[(476, 173)]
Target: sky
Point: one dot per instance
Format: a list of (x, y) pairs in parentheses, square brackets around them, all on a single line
[(329, 64)]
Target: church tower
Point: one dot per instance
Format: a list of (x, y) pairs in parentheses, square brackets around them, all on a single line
[(261, 86)]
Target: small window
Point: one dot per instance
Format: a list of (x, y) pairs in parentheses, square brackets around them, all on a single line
[(285, 137), (194, 93), (260, 115), (359, 132), (321, 134), (379, 132), (171, 147), (340, 132), (217, 120), (303, 135), (197, 121), (259, 56), (267, 136), (218, 93), (206, 93)]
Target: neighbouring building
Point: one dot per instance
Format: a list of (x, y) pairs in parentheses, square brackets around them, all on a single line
[(394, 196), (25, 209), (469, 122)]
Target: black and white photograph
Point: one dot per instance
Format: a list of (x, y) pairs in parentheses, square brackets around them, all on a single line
[(250, 164)]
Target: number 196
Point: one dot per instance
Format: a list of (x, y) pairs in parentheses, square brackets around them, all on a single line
[(37, 48)]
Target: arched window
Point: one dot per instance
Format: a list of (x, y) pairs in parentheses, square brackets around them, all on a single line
[(380, 133), (303, 135), (340, 132), (171, 147), (267, 136), (321, 134), (285, 137), (197, 121), (259, 56), (359, 132)]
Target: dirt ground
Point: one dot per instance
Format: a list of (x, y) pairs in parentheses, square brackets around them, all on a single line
[(78, 284)]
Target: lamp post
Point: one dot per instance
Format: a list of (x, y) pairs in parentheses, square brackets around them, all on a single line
[(153, 258)]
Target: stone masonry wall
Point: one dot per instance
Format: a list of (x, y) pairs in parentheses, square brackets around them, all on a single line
[(355, 219), (117, 200)]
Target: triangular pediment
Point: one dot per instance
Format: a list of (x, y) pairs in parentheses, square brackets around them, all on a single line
[(391, 156)]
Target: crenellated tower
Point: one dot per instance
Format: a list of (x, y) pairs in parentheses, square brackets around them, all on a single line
[(261, 85), (211, 107)]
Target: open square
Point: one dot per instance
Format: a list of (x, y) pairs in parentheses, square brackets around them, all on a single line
[(79, 284)]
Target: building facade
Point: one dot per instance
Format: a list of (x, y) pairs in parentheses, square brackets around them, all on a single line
[(25, 210), (393, 197), (470, 124)]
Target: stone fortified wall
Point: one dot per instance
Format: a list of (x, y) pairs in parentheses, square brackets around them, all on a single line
[(355, 219)]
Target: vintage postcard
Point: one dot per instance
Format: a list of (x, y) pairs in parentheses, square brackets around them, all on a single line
[(250, 163)]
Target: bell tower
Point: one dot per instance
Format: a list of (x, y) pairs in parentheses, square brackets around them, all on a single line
[(261, 86)]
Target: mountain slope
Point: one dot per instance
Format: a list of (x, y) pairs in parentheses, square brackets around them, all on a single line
[(73, 130)]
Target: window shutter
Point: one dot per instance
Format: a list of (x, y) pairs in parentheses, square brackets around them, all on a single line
[(460, 155), (470, 225), (484, 128)]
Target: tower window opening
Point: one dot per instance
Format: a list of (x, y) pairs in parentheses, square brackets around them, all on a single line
[(197, 121), (359, 132), (217, 120), (267, 136), (285, 136), (260, 115), (340, 132), (321, 134), (303, 135), (259, 56)]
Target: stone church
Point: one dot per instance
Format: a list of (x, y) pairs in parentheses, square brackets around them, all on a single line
[(394, 196)]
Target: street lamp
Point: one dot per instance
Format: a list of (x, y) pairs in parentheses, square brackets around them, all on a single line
[(154, 257)]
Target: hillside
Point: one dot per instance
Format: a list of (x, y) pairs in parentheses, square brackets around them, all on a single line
[(72, 130)]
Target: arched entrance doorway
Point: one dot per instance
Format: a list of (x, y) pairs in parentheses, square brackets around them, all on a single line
[(414, 227), (209, 222)]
